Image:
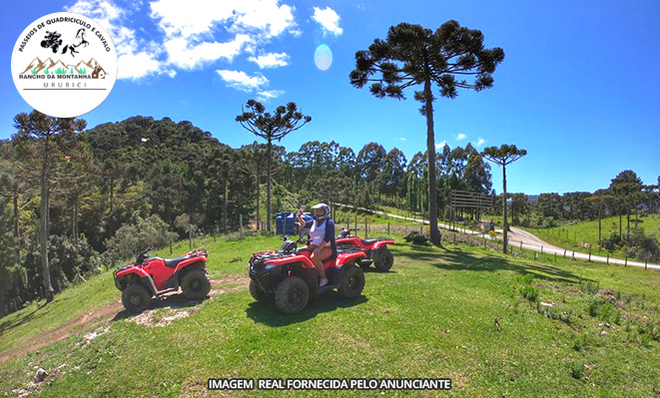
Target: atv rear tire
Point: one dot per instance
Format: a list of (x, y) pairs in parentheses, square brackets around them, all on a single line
[(352, 283), (385, 260), (291, 295), (258, 293), (195, 284), (135, 298)]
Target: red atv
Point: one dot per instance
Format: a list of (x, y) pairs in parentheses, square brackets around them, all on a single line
[(155, 276), (287, 276), (375, 249)]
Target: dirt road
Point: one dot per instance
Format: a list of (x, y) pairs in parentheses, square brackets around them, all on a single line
[(519, 238)]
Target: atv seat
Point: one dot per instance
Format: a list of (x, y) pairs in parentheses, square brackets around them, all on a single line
[(369, 241), (332, 257), (173, 262)]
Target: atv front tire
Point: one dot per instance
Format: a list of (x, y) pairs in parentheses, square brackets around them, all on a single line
[(135, 298), (258, 294), (291, 295), (195, 284), (385, 260), (352, 283)]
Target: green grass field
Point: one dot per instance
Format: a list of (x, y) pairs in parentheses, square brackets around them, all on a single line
[(572, 236), (567, 329)]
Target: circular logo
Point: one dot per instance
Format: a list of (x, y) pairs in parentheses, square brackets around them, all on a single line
[(64, 64)]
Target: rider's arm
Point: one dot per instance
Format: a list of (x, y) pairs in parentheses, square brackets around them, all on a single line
[(300, 220), (329, 233)]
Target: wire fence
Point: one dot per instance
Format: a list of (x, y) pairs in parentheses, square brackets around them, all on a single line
[(460, 234)]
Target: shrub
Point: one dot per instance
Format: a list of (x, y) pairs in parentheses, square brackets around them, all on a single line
[(590, 287), (132, 238), (605, 311), (610, 244), (549, 222), (642, 246), (529, 292), (576, 371), (68, 259), (580, 342)]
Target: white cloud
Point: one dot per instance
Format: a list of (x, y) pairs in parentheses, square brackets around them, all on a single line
[(195, 17), (480, 142), (328, 19), (441, 144), (270, 60), (186, 56), (461, 137), (190, 27), (192, 33), (403, 139), (132, 63), (268, 95), (241, 81), (137, 65)]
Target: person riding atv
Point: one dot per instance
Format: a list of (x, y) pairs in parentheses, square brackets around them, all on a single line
[(321, 238)]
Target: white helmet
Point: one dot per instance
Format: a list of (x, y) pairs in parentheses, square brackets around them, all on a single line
[(326, 211)]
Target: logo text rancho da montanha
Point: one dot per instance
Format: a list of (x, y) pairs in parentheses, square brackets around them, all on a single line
[(64, 64)]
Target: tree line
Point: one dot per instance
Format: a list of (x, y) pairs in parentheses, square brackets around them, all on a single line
[(101, 194), (627, 197)]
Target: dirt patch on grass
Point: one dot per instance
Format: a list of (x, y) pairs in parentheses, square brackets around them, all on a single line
[(178, 307), (86, 321), (228, 284), (175, 306)]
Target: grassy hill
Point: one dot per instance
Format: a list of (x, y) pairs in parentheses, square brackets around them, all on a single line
[(572, 236), (566, 329)]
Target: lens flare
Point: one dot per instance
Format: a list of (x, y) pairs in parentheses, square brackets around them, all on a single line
[(323, 57)]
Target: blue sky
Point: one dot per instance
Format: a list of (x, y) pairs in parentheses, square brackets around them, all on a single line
[(577, 89)]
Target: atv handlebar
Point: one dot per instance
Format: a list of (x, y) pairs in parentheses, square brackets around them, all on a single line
[(144, 254), (345, 233)]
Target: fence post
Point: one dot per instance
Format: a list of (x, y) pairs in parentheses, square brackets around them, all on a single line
[(608, 258), (646, 263), (626, 264), (589, 254), (573, 256), (521, 245), (564, 253), (454, 238), (541, 249), (213, 234), (240, 222), (388, 228), (555, 256), (366, 226)]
